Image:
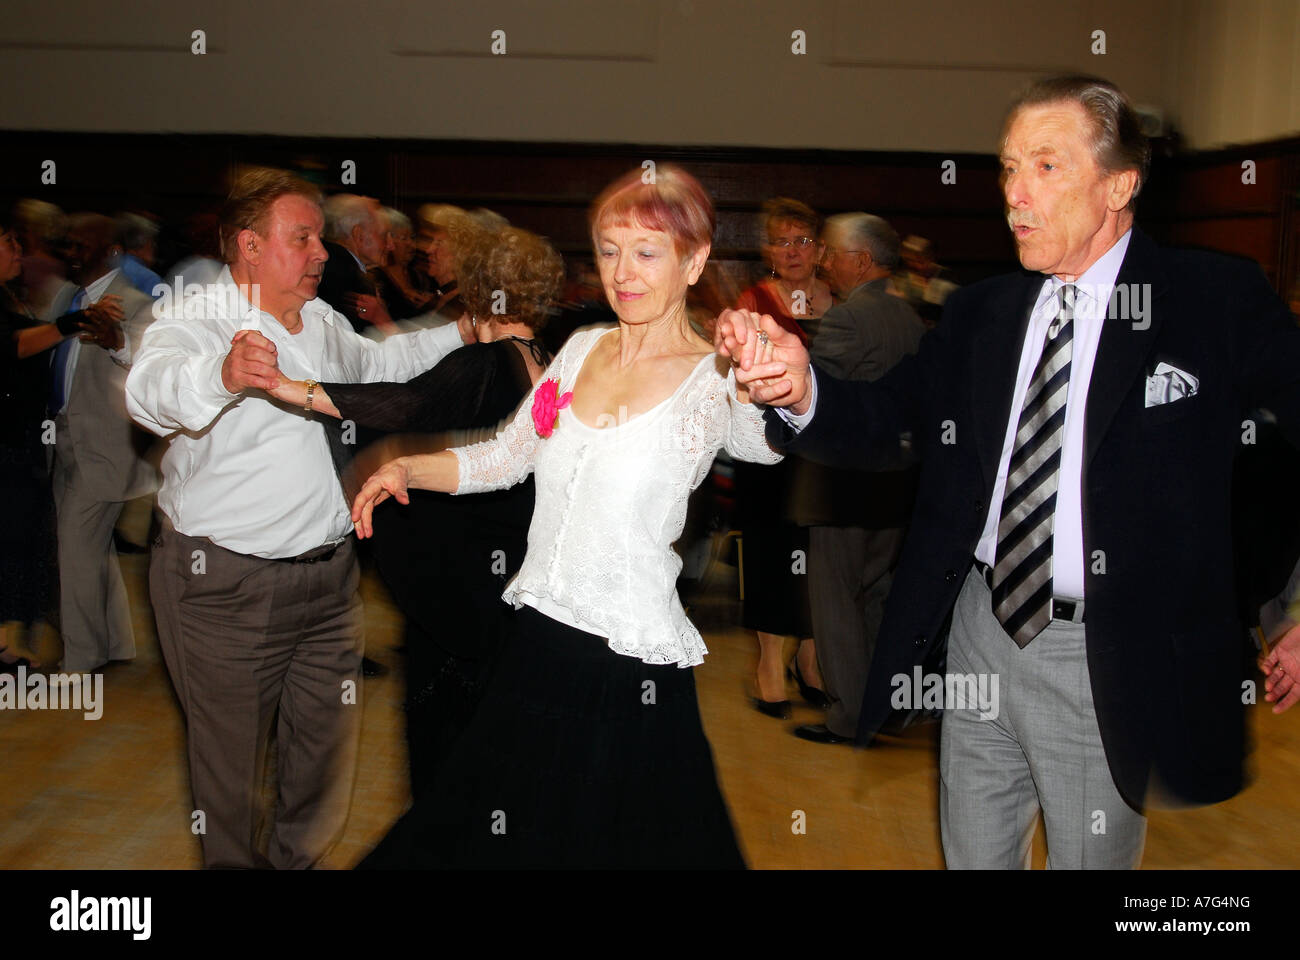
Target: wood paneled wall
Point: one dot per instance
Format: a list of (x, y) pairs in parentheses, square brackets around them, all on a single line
[(1194, 200)]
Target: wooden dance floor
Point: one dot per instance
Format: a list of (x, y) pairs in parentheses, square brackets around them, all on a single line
[(113, 793)]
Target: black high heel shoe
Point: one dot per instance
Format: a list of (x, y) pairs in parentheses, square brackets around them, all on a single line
[(776, 709), (815, 697)]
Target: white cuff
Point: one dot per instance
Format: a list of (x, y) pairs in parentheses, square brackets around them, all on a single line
[(800, 420)]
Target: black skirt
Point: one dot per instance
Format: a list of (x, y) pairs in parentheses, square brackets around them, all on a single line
[(576, 757)]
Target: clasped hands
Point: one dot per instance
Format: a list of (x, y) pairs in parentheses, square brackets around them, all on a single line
[(252, 363), (1281, 669), (101, 321), (771, 364)]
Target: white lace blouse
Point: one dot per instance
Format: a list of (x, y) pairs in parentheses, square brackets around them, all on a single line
[(611, 501)]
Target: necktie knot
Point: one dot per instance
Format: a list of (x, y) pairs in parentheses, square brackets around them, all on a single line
[(1064, 310)]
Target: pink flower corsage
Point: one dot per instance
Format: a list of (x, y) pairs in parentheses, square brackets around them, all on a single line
[(547, 406)]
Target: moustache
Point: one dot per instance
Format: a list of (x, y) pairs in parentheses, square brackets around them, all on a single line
[(1022, 220)]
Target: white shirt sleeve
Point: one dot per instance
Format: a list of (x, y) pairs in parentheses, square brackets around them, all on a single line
[(398, 358), (175, 381), (800, 420)]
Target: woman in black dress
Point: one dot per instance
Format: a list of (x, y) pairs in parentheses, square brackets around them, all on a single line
[(446, 559)]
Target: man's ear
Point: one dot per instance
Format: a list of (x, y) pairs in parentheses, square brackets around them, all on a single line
[(249, 246), (695, 264), (1122, 185)]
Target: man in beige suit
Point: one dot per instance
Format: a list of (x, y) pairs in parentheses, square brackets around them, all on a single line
[(98, 462)]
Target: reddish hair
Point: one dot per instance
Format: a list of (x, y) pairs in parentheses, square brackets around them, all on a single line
[(672, 202)]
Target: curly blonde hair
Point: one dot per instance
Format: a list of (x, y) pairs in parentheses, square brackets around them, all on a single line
[(522, 265)]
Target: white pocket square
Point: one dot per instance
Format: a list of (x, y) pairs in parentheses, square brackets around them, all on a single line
[(1168, 384)]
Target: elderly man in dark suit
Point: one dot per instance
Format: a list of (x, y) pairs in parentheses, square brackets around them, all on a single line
[(855, 519), (1071, 541), (99, 461), (357, 243)]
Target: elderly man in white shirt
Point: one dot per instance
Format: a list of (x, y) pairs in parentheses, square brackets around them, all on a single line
[(254, 577)]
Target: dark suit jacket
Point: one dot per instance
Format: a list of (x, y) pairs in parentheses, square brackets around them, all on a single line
[(343, 276), (860, 339), (1165, 644)]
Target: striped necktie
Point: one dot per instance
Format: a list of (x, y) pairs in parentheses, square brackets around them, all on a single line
[(1022, 573)]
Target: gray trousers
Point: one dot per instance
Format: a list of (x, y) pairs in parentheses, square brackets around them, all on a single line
[(246, 638), (94, 612), (1043, 751), (848, 581)]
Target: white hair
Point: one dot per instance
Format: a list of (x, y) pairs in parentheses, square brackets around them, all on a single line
[(868, 232), (343, 212)]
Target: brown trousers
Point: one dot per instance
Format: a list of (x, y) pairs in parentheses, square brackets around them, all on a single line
[(244, 638)]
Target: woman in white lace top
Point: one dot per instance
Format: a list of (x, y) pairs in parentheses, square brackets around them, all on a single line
[(588, 748)]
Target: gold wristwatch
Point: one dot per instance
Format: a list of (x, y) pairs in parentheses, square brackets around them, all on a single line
[(311, 393)]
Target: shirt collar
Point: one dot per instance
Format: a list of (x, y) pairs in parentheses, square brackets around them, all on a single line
[(1094, 287), (96, 289), (240, 306)]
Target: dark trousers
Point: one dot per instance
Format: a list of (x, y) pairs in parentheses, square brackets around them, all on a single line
[(849, 576), (245, 639)]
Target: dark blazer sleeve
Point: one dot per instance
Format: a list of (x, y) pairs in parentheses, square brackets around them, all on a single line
[(1269, 350), (857, 423), (449, 396)]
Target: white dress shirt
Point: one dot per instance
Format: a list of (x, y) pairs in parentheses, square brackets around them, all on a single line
[(246, 471), (1091, 303), (94, 293)]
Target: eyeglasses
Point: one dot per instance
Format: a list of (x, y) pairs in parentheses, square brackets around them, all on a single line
[(832, 252), (786, 243)]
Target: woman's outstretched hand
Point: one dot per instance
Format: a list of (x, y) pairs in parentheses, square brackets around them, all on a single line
[(390, 480)]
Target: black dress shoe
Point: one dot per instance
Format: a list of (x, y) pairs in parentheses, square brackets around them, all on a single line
[(372, 668), (812, 695), (819, 733), (777, 709)]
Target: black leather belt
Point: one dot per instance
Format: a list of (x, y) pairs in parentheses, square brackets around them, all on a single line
[(1071, 611)]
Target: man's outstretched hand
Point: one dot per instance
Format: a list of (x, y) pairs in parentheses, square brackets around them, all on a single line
[(776, 374)]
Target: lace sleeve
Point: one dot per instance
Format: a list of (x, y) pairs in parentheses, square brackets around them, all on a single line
[(507, 458), (746, 439)]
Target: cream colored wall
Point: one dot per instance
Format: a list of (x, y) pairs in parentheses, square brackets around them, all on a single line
[(1236, 75), (880, 76)]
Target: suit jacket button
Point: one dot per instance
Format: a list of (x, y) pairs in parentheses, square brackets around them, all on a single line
[(919, 640), (950, 575), (979, 507)]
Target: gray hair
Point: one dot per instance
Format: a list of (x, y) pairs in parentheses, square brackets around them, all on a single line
[(868, 232), (1117, 139), (134, 231), (396, 219), (44, 220), (343, 212)]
